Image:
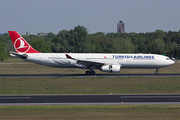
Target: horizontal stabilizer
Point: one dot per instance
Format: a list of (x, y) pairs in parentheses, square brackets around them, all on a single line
[(23, 56)]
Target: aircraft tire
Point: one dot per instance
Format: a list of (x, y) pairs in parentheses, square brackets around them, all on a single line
[(87, 72), (156, 72), (93, 73)]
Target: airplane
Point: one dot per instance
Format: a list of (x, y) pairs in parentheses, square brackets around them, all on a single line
[(111, 62)]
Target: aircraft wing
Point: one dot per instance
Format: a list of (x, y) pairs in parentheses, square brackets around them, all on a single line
[(87, 62)]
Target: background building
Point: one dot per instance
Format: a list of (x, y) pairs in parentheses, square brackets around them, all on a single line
[(120, 27), (42, 34), (27, 33)]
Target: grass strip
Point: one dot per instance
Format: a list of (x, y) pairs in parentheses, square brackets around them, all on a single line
[(94, 85), (105, 112)]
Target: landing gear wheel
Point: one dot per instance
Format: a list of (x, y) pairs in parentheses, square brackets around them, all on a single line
[(90, 73), (87, 72), (93, 73), (156, 72)]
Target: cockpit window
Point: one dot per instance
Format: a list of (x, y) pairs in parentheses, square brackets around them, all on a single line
[(167, 58)]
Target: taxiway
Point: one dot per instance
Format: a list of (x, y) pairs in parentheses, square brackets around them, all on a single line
[(88, 99), (84, 75)]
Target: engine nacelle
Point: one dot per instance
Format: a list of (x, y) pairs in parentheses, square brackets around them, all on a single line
[(111, 68)]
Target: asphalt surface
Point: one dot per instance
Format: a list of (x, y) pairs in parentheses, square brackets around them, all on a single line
[(84, 75), (118, 103), (89, 99)]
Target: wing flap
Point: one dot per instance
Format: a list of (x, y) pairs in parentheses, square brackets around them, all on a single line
[(86, 61)]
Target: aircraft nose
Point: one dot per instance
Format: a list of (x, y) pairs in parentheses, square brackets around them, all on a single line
[(172, 62)]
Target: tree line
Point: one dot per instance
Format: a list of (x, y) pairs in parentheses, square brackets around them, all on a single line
[(78, 40)]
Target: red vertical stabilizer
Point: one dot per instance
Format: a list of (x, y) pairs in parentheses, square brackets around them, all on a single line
[(20, 44)]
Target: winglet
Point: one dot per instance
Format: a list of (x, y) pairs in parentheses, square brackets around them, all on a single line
[(68, 56)]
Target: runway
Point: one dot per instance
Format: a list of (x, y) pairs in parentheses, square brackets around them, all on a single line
[(84, 75), (88, 99)]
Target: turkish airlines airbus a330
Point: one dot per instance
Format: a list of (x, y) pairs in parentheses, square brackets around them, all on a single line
[(105, 62)]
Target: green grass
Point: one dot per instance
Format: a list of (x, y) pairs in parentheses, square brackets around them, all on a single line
[(127, 112), (94, 85)]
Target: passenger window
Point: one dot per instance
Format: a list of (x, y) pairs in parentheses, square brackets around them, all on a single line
[(167, 58)]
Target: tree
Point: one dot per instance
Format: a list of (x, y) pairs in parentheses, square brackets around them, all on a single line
[(123, 45), (50, 35), (3, 54), (60, 42), (171, 49), (6, 34), (40, 45), (80, 33), (157, 46), (158, 34)]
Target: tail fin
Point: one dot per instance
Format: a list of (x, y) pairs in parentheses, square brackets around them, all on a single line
[(20, 44)]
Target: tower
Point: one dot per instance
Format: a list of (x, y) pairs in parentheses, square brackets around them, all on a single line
[(120, 27)]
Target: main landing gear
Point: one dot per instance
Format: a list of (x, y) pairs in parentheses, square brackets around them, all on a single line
[(157, 71), (91, 72)]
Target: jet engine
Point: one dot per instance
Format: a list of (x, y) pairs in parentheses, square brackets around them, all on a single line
[(111, 68)]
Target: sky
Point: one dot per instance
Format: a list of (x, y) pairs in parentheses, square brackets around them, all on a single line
[(96, 15)]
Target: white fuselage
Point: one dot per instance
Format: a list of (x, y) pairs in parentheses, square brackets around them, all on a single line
[(125, 60)]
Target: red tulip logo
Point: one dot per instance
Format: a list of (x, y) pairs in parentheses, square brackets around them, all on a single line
[(21, 45)]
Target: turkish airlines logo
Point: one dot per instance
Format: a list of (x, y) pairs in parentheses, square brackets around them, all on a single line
[(21, 45)]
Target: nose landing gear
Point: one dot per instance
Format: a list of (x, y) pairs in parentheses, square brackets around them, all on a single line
[(157, 71)]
